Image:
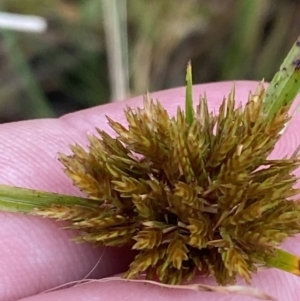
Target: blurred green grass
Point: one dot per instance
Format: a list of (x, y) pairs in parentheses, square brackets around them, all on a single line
[(68, 67)]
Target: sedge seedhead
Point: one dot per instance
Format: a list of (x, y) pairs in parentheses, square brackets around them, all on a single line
[(187, 197)]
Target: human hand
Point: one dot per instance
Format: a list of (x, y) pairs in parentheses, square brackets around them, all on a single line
[(36, 254)]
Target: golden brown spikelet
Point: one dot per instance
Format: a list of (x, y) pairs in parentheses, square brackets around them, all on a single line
[(188, 197)]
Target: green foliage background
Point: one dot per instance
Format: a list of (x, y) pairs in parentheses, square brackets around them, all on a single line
[(66, 68)]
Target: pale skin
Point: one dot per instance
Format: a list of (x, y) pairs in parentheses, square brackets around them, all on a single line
[(37, 255)]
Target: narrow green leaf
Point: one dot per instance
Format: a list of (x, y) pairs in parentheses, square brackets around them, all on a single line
[(15, 199), (285, 84), (284, 261), (189, 109)]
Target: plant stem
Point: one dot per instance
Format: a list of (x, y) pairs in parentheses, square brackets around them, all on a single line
[(39, 106)]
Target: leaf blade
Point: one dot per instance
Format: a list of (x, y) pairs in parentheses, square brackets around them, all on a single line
[(285, 84), (16, 199), (189, 110), (284, 261)]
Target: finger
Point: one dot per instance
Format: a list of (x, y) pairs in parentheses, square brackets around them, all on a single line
[(273, 283)]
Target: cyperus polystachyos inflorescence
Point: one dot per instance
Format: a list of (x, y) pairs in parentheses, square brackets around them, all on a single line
[(189, 197), (193, 192)]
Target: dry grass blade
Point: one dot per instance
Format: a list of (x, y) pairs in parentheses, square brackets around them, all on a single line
[(231, 289)]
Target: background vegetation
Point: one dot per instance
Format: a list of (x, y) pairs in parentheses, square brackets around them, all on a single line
[(73, 64)]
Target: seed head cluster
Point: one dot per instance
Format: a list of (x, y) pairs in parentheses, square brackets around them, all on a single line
[(199, 197)]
